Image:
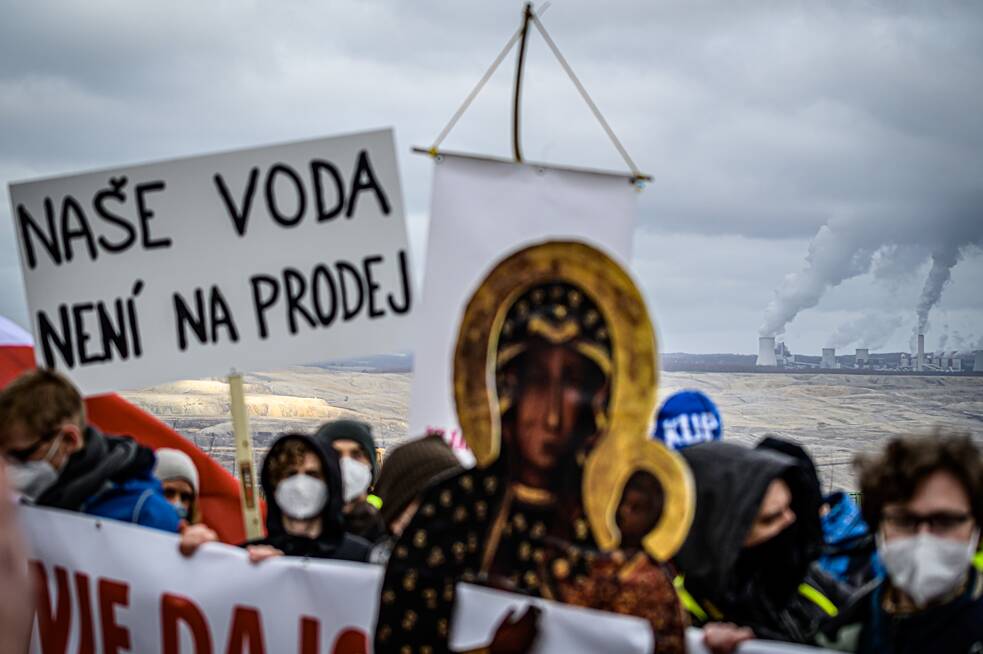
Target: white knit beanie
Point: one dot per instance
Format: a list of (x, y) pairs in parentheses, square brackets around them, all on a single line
[(175, 464)]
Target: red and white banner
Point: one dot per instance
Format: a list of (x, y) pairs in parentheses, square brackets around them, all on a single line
[(107, 586)]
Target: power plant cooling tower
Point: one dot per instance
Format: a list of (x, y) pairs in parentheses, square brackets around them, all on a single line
[(863, 357), (978, 361), (829, 358), (766, 352)]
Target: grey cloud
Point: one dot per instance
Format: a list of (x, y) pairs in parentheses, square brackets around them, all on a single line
[(759, 122)]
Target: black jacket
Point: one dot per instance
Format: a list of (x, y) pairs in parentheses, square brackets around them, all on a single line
[(760, 587), (334, 542)]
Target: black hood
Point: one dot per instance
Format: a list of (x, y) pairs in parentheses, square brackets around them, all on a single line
[(332, 530), (731, 481)]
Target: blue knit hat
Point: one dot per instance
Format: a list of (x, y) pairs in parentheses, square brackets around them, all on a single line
[(688, 418)]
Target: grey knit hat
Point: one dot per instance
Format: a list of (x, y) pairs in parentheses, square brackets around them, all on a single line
[(175, 464)]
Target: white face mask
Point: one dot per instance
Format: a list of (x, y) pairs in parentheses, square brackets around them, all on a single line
[(32, 478), (301, 497), (926, 566), (355, 478)]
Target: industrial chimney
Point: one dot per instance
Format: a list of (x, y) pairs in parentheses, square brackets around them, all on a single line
[(862, 358), (978, 361), (766, 352), (829, 357), (920, 357)]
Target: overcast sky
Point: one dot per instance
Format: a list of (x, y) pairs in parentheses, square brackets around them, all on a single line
[(761, 122)]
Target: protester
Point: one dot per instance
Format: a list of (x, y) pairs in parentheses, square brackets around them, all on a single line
[(16, 609), (849, 549), (57, 460), (179, 477), (302, 482), (848, 546), (352, 440), (688, 418), (749, 554), (923, 498), (408, 470)]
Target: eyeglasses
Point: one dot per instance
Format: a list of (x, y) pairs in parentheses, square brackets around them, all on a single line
[(941, 522), (25, 453)]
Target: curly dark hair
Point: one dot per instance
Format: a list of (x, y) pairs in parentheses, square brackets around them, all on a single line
[(287, 453), (894, 474)]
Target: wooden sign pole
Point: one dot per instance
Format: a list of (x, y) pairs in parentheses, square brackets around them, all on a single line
[(251, 517)]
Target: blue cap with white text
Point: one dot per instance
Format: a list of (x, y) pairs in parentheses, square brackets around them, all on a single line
[(688, 418)]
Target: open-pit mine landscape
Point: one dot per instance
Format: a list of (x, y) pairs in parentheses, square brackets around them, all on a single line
[(833, 416)]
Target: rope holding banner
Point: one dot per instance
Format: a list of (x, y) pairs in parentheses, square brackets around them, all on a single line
[(474, 93), (590, 103), (638, 178)]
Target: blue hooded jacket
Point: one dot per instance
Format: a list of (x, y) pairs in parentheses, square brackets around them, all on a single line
[(112, 477), (849, 554)]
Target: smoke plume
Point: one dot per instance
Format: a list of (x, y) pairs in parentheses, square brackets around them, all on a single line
[(890, 246), (943, 260), (870, 331), (837, 252)]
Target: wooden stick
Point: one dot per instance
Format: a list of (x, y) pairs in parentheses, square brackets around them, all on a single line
[(251, 518), (433, 152)]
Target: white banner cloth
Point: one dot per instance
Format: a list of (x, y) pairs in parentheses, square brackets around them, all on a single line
[(138, 594), (252, 259), (480, 212), (114, 587)]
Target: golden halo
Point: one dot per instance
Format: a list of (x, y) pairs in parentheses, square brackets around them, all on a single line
[(624, 445)]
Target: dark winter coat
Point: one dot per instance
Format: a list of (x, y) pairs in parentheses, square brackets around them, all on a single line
[(773, 588), (112, 477), (334, 542)]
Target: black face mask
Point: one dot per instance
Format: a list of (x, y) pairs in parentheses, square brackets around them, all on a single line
[(774, 567)]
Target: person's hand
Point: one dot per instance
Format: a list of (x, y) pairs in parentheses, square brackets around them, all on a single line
[(516, 635), (16, 592), (724, 637), (258, 553), (193, 537)]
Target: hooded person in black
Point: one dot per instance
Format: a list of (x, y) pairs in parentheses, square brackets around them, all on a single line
[(319, 535), (727, 574)]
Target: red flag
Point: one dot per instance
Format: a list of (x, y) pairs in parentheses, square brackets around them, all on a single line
[(218, 490)]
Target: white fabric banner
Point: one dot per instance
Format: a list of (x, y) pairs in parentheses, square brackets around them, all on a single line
[(114, 587), (480, 212), (251, 259)]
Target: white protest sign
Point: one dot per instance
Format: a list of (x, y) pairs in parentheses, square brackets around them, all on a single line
[(250, 260), (480, 212)]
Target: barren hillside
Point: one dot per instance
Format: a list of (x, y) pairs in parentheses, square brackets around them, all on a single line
[(833, 416)]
